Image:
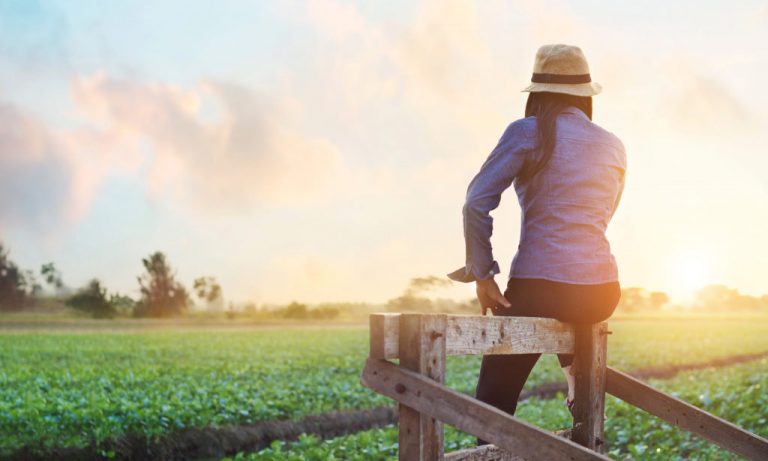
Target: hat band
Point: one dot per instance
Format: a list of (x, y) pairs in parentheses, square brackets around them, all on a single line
[(560, 78)]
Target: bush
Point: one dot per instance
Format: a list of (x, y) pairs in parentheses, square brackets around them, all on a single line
[(92, 300), (295, 311), (324, 313), (13, 294)]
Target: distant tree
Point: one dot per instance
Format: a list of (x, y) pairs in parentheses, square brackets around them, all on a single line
[(208, 290), (723, 298), (31, 285), (13, 293), (92, 299), (632, 300), (657, 299), (412, 299), (410, 303), (123, 305), (635, 299), (161, 294), (325, 313), (295, 310), (52, 276), (249, 308)]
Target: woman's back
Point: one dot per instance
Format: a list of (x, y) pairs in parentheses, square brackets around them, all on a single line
[(567, 205)]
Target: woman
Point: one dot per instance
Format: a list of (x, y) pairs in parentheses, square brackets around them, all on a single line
[(568, 174)]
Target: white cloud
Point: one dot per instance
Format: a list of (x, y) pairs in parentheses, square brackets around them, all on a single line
[(216, 145)]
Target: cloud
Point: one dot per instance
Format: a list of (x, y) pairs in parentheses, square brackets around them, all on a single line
[(47, 177), (216, 145)]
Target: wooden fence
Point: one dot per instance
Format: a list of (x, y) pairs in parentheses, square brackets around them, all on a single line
[(421, 342)]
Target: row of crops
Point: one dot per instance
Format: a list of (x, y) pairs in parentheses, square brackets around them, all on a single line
[(70, 389)]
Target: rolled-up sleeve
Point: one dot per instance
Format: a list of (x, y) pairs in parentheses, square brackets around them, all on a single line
[(484, 195)]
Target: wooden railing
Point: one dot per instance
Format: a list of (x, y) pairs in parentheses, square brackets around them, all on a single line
[(421, 342)]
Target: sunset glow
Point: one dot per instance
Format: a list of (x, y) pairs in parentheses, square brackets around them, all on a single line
[(321, 150), (690, 272)]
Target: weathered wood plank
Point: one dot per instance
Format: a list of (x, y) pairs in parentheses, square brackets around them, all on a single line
[(384, 333), (482, 453), (410, 428), (479, 335), (686, 416), (492, 452), (433, 328), (589, 370), (469, 415), (472, 335)]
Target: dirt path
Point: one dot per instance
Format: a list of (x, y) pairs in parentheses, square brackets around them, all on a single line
[(214, 443)]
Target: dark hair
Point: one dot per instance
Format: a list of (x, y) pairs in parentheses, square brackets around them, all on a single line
[(546, 107)]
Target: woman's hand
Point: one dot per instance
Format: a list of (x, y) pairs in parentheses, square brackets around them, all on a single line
[(489, 295)]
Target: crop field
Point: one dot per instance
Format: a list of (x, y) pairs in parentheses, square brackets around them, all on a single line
[(737, 393), (69, 389)]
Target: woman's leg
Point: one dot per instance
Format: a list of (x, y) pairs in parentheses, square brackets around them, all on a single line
[(566, 360), (502, 377), (570, 303), (501, 380)]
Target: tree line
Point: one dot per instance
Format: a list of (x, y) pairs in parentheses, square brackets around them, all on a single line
[(161, 294), (711, 298)]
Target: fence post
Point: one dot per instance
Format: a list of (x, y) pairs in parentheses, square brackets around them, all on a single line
[(589, 369), (422, 349)]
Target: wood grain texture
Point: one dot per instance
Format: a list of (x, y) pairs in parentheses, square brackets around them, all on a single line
[(470, 415), (589, 369), (482, 453), (409, 424), (433, 328), (384, 332), (472, 335), (686, 416), (479, 335), (492, 452)]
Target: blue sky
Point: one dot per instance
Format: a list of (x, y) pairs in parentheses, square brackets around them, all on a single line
[(320, 150)]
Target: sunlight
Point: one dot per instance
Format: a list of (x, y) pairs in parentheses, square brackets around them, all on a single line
[(690, 271)]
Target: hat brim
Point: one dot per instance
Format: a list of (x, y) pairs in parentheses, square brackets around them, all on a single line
[(575, 89)]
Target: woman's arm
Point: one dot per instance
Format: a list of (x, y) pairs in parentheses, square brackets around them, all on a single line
[(483, 196)]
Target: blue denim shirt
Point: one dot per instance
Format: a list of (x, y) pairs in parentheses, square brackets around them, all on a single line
[(565, 208)]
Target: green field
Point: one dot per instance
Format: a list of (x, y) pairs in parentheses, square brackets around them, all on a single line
[(737, 393), (64, 388)]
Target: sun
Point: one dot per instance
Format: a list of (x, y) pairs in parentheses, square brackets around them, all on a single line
[(690, 271)]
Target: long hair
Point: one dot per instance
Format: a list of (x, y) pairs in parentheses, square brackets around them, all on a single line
[(546, 107)]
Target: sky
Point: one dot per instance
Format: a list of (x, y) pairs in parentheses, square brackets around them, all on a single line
[(320, 150)]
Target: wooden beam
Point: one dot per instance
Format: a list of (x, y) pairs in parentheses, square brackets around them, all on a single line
[(479, 335), (422, 341), (470, 415), (482, 453), (492, 452), (686, 416), (433, 332), (589, 370), (384, 332), (409, 419)]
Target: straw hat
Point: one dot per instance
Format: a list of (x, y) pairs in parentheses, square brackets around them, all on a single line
[(562, 69)]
